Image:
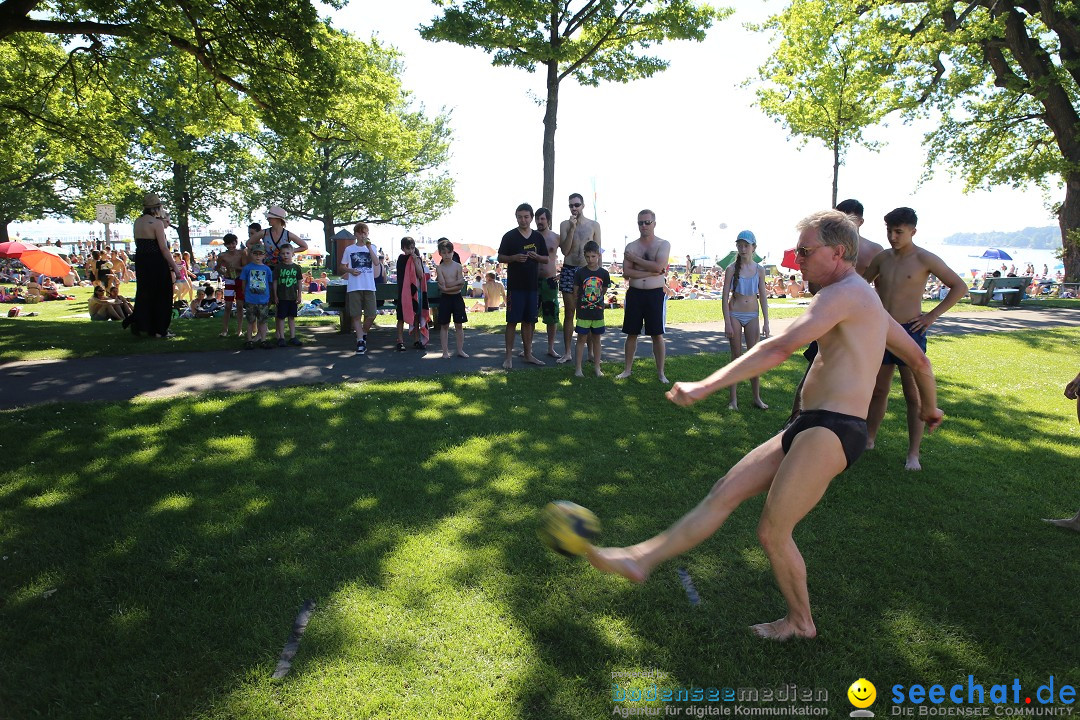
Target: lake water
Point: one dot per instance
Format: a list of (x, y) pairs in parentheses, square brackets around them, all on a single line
[(958, 257)]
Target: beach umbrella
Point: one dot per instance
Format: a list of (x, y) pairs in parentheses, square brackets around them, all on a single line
[(995, 254), (14, 248), (730, 258), (467, 250), (45, 263), (789, 261)]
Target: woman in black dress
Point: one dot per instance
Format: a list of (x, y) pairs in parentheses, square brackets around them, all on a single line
[(155, 272)]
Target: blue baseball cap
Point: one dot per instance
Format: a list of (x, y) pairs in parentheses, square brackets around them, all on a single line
[(747, 236)]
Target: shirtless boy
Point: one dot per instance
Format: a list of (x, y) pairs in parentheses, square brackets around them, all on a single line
[(573, 234), (229, 265), (645, 266), (899, 275), (868, 250), (549, 280), (796, 466)]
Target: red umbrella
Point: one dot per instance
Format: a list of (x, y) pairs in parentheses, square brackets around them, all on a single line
[(14, 249), (45, 263), (789, 261)]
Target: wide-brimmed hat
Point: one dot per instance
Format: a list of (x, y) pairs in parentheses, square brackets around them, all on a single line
[(151, 200), (277, 212)]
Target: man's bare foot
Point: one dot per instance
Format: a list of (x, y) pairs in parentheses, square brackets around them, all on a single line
[(552, 353), (783, 629), (760, 405), (533, 360), (1072, 523), (564, 359), (733, 405), (619, 561), (462, 353), (870, 443), (599, 372), (578, 373), (623, 375), (508, 364), (912, 463), (446, 355), (663, 379)]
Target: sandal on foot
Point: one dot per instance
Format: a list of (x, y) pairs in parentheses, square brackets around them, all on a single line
[(401, 347)]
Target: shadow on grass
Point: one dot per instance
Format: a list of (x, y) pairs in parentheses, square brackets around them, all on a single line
[(181, 538)]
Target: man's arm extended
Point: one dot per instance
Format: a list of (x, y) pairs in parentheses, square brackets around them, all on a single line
[(824, 312), (899, 343)]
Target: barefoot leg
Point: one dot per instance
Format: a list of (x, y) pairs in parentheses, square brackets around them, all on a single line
[(751, 476)]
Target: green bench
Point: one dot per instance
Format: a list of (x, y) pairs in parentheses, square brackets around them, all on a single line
[(1011, 289)]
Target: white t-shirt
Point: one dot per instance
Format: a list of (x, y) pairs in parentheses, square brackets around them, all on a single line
[(357, 257)]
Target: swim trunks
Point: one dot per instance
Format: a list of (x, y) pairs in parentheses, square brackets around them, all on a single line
[(851, 431), (549, 299), (644, 308), (920, 339), (566, 278)]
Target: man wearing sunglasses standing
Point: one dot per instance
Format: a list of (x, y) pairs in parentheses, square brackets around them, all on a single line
[(645, 264), (573, 234), (794, 467)]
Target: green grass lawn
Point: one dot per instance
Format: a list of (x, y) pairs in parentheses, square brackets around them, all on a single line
[(154, 554), (63, 329)]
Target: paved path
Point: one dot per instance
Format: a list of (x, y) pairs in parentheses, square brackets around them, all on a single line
[(331, 359)]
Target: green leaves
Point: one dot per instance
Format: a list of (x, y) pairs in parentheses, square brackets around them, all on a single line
[(590, 40)]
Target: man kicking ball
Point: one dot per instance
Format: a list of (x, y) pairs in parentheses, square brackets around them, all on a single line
[(795, 467)]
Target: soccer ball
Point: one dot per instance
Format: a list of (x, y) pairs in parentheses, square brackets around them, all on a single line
[(567, 528)]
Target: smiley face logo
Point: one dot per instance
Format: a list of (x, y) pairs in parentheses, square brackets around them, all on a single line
[(862, 693)]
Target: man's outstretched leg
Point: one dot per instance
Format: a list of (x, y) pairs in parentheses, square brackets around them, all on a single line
[(751, 476), (813, 460), (1072, 523)]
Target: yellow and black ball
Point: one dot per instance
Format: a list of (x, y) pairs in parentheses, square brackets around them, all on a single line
[(568, 528)]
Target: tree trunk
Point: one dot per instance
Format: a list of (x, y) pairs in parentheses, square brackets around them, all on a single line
[(1069, 221), (551, 109), (3, 230), (835, 167), (182, 202)]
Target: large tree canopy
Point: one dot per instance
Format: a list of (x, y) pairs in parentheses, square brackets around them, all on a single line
[(821, 82), (394, 174), (267, 51), (46, 166), (1000, 79), (589, 40)]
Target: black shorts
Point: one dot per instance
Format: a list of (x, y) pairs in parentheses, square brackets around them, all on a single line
[(522, 307), (286, 309), (452, 306), (644, 308)]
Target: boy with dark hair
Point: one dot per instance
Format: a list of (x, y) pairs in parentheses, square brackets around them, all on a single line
[(258, 281), (899, 276), (451, 305), (408, 250), (522, 249), (288, 294), (229, 264), (590, 284)]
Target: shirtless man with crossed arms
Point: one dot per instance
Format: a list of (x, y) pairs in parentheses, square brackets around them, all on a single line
[(796, 466)]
